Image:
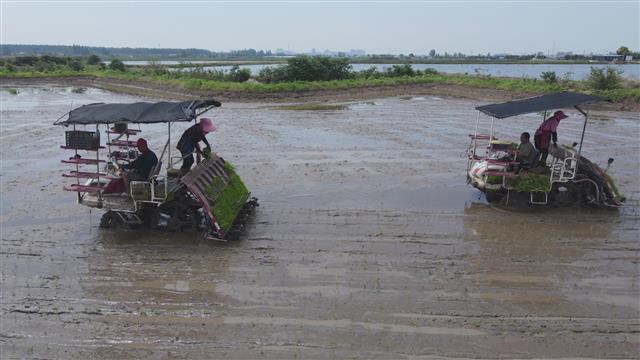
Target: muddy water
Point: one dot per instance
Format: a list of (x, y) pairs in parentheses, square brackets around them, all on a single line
[(367, 244)]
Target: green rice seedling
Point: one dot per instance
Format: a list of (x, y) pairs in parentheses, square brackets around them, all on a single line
[(226, 201), (532, 182)]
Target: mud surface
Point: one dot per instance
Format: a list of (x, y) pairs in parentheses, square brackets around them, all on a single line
[(367, 244)]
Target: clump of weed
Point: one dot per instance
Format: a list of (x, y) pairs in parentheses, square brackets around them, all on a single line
[(549, 77), (601, 79)]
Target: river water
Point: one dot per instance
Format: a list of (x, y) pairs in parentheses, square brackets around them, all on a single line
[(367, 244)]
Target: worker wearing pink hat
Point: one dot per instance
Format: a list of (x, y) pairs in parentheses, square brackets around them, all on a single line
[(190, 139), (547, 132), (207, 125)]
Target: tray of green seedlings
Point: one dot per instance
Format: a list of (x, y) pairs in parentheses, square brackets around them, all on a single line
[(227, 200), (616, 192), (531, 182), (494, 180)]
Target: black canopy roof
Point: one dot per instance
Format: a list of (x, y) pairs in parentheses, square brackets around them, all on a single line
[(140, 112), (535, 104)]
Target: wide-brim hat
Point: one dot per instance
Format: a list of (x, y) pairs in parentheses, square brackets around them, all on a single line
[(560, 115), (207, 125)]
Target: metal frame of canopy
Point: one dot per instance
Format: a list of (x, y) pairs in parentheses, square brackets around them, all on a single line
[(139, 112), (133, 116), (211, 196), (536, 104), (564, 165)]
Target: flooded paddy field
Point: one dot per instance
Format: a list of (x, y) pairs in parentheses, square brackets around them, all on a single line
[(368, 244)]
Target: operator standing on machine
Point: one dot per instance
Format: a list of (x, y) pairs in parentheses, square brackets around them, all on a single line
[(189, 141)]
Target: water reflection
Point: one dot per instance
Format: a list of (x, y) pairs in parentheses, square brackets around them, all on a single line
[(524, 260), (153, 278)]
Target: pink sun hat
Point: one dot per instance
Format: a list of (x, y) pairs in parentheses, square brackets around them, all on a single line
[(560, 115), (207, 125)]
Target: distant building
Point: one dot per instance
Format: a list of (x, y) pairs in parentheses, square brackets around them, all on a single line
[(356, 52), (609, 57)]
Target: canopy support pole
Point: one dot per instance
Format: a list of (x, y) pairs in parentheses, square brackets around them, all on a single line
[(491, 132), (164, 149), (168, 147), (584, 128), (77, 168), (98, 162), (475, 135), (169, 143)]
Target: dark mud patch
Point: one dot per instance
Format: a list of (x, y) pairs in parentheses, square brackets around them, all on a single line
[(312, 107)]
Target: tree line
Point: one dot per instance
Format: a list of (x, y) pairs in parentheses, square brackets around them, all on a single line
[(126, 52)]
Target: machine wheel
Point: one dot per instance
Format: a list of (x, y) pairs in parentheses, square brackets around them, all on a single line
[(150, 217), (110, 220), (182, 216), (494, 196)]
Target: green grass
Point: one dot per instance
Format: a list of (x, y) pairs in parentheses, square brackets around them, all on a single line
[(227, 200), (191, 82)]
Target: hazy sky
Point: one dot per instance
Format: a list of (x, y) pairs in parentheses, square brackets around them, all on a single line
[(376, 27)]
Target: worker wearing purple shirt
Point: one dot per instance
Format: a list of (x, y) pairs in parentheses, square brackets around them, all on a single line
[(547, 132)]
